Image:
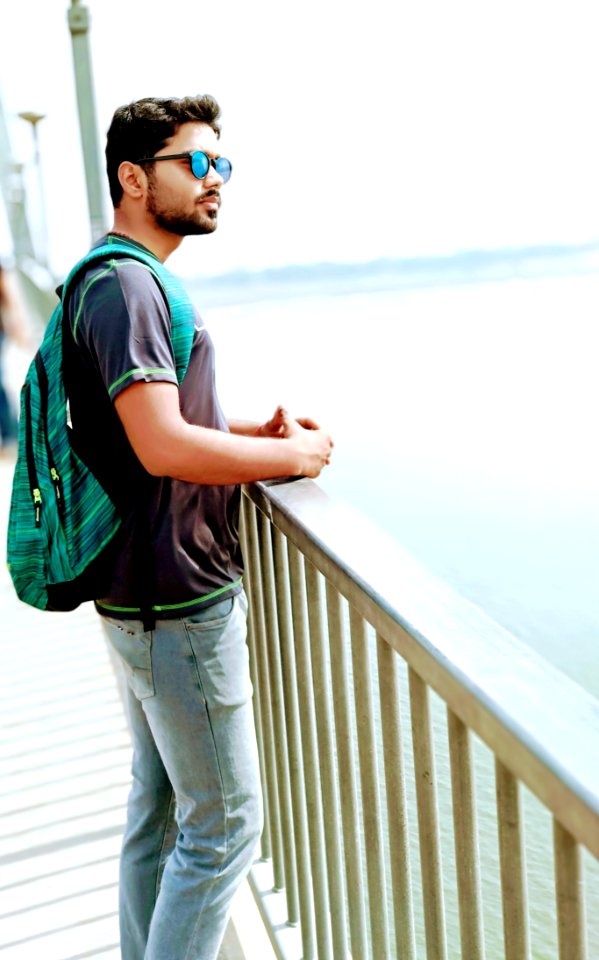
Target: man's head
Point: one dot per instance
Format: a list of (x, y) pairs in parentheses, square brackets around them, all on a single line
[(142, 128)]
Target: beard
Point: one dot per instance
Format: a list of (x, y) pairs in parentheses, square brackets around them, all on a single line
[(181, 222)]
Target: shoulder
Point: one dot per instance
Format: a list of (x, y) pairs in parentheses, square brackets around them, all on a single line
[(117, 294), (116, 283), (116, 274)]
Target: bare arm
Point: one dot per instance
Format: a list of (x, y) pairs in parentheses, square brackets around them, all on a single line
[(244, 428), (168, 446)]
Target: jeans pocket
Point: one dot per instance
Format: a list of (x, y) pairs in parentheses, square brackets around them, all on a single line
[(215, 614), (221, 656), (134, 649)]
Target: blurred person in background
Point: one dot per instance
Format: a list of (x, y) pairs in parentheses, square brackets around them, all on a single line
[(13, 326)]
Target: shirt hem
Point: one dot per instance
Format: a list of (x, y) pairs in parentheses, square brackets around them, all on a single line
[(170, 611)]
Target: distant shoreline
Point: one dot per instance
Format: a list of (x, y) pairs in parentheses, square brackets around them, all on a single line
[(471, 266)]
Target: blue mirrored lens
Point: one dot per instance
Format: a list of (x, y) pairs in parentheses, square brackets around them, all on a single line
[(200, 164), (223, 168)]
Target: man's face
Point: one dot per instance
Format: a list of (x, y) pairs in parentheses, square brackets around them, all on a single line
[(178, 201)]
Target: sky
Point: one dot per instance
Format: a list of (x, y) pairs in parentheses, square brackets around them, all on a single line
[(356, 130)]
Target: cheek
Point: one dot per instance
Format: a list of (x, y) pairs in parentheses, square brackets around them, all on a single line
[(166, 188), (181, 194)]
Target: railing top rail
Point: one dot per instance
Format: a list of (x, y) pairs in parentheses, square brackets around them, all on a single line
[(541, 724)]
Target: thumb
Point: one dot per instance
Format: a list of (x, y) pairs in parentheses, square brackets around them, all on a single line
[(281, 417)]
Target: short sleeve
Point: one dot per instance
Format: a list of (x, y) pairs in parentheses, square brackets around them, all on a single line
[(120, 315)]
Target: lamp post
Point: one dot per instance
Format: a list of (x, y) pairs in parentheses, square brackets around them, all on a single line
[(78, 18), (34, 119)]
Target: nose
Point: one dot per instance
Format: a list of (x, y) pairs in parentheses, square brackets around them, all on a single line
[(213, 177)]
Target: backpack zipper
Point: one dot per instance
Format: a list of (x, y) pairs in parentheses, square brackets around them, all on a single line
[(36, 493), (55, 477), (42, 377)]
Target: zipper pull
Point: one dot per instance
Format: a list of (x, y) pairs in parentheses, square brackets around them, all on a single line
[(54, 474), (37, 501), (56, 481)]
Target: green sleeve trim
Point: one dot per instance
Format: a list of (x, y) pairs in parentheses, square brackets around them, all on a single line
[(147, 370), (158, 608), (82, 300)]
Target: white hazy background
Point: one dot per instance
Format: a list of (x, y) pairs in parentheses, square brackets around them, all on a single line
[(356, 130), (463, 417)]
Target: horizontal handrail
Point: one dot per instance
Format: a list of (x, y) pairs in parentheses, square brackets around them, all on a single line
[(541, 725)]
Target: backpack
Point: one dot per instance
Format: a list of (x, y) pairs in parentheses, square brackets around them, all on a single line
[(62, 522)]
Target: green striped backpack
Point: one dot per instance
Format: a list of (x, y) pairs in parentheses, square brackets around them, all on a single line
[(61, 521)]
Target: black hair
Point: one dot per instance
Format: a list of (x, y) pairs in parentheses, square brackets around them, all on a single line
[(142, 128)]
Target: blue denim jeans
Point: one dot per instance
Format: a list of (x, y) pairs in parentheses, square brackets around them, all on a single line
[(194, 813)]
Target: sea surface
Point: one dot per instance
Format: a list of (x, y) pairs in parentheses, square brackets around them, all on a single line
[(465, 418), (464, 415)]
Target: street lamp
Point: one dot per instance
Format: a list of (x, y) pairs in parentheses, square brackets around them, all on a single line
[(79, 19), (34, 119)]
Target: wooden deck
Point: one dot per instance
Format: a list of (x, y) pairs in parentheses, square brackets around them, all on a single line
[(64, 779)]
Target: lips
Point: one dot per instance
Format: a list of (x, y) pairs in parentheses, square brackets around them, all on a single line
[(210, 199)]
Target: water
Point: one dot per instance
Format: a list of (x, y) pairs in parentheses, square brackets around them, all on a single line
[(465, 422)]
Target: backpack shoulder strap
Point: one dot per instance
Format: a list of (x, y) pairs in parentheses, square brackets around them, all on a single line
[(180, 307)]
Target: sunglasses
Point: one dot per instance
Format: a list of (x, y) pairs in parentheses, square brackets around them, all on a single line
[(199, 162)]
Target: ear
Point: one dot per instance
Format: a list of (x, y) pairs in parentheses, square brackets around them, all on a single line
[(132, 179)]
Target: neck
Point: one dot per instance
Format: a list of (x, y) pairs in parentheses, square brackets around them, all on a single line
[(160, 242), (123, 236)]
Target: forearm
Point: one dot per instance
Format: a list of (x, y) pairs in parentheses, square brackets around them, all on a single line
[(168, 446), (244, 428), (200, 455)]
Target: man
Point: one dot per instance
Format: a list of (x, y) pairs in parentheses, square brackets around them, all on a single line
[(194, 814)]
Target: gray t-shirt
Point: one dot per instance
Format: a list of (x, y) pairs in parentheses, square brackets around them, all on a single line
[(181, 537)]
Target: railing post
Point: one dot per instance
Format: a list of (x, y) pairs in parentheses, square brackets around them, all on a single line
[(369, 778), (466, 838), (569, 894), (255, 633), (266, 693), (428, 821), (305, 692), (512, 860), (294, 745), (321, 678), (396, 801), (347, 776)]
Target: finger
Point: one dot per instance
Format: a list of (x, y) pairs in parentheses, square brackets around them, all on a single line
[(308, 423)]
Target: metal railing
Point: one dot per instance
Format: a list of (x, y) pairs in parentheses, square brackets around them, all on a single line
[(431, 785)]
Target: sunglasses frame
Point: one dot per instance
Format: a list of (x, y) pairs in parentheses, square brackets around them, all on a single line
[(189, 156)]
